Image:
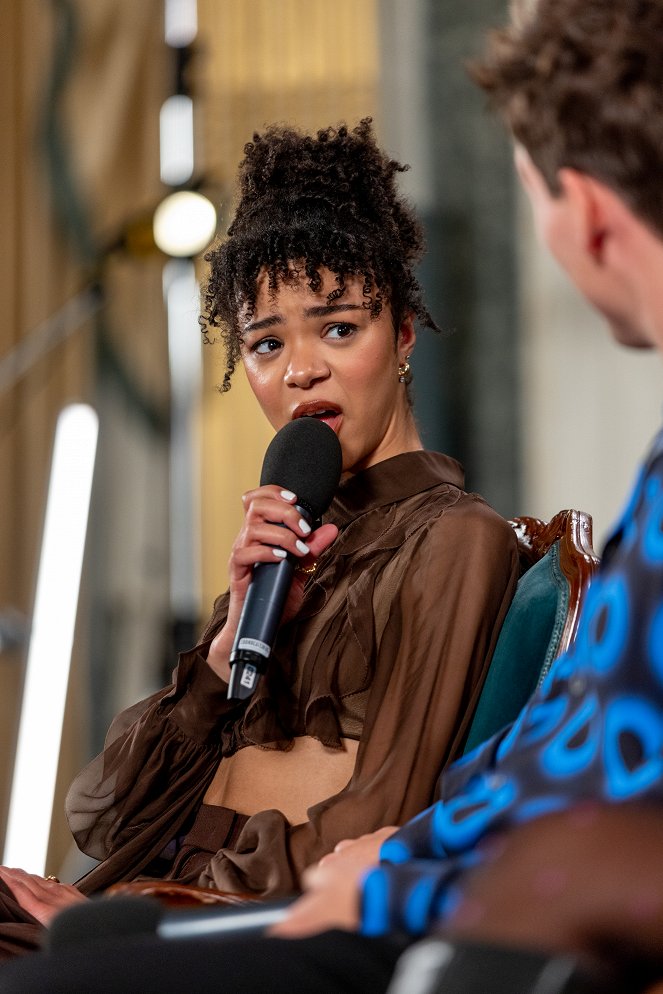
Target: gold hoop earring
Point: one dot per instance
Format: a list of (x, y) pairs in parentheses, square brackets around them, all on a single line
[(404, 374)]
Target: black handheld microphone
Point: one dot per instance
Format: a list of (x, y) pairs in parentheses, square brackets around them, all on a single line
[(126, 917), (304, 457)]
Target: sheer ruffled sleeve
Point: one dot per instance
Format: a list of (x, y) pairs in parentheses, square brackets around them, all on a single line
[(159, 758)]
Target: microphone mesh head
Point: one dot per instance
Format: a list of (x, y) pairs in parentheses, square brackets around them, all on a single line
[(305, 457)]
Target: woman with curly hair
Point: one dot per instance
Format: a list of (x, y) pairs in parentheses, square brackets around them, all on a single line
[(393, 616)]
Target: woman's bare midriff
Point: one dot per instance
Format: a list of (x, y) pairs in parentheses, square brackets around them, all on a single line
[(257, 779)]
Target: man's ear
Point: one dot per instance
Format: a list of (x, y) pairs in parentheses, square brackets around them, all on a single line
[(589, 202), (406, 336)]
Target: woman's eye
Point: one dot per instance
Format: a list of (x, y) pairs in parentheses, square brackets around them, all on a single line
[(340, 330), (266, 345)]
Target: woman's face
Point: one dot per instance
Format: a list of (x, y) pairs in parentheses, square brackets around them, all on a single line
[(306, 357)]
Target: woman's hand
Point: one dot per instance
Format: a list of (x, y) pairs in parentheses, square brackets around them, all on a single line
[(272, 527), (331, 898), (41, 898)]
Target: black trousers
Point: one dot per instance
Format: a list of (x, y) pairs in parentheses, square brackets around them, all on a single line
[(331, 963)]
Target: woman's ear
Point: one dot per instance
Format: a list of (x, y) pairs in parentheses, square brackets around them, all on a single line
[(406, 337)]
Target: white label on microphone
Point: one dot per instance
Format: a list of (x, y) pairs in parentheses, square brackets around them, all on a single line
[(248, 677), (255, 645)]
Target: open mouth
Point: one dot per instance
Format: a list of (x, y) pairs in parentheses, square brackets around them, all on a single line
[(321, 411), (319, 414)]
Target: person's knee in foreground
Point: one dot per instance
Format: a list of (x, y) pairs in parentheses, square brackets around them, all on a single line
[(580, 83)]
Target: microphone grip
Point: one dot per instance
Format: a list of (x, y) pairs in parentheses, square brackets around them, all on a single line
[(259, 621)]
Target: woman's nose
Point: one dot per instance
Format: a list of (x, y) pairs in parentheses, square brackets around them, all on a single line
[(306, 367)]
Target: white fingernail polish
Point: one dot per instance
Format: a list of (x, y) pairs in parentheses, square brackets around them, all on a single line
[(305, 527), (302, 546), (280, 553), (287, 495)]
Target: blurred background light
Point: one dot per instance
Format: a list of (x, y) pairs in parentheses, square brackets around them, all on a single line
[(181, 22), (184, 224), (176, 139), (182, 299), (51, 640)]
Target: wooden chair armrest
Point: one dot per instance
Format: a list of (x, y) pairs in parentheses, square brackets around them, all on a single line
[(177, 895)]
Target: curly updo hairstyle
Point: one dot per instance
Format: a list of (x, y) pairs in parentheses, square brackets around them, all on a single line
[(325, 201)]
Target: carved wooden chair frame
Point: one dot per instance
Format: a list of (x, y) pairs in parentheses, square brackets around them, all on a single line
[(577, 559)]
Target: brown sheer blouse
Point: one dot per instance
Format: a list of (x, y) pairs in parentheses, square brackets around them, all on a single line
[(390, 648)]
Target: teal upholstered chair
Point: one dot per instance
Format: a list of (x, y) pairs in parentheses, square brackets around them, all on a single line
[(557, 562)]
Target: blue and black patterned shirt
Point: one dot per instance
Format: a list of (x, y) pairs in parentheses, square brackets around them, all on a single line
[(593, 730)]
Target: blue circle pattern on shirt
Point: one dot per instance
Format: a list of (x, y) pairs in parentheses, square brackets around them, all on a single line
[(536, 807), (418, 905), (604, 632), (655, 644), (566, 735), (536, 722), (652, 539), (375, 903), (561, 757), (395, 851), (460, 821), (641, 720)]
